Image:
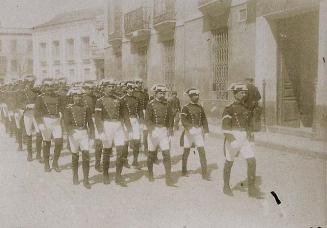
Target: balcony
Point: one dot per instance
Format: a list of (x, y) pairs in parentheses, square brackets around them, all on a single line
[(56, 62), (164, 16), (214, 8), (267, 7), (71, 62), (136, 24), (116, 36)]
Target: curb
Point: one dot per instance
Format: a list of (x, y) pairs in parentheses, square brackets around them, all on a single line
[(288, 149)]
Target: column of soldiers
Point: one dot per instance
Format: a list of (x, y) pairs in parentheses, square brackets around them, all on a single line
[(115, 117)]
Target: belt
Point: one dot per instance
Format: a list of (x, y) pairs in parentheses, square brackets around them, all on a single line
[(133, 116), (79, 128), (112, 120), (159, 125), (52, 116)]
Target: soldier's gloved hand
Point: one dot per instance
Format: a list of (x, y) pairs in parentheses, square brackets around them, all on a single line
[(206, 135), (130, 135), (41, 127), (60, 115)]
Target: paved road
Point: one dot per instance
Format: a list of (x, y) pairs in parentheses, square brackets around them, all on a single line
[(31, 198)]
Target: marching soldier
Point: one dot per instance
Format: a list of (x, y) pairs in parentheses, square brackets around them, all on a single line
[(236, 127), (48, 114), (135, 113), (110, 115), (251, 103), (79, 126), (143, 97), (29, 96), (195, 123), (176, 108), (159, 122), (90, 100), (18, 99)]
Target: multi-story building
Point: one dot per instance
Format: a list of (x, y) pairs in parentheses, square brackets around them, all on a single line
[(210, 44), (70, 45), (16, 53)]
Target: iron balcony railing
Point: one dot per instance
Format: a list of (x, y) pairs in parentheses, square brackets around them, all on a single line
[(164, 10), (136, 20)]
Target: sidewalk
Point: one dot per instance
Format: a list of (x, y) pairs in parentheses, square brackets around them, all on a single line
[(283, 142)]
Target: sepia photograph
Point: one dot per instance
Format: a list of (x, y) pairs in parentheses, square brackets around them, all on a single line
[(163, 113)]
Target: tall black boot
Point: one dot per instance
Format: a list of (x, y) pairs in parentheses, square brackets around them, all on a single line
[(86, 168), (106, 163), (227, 170), (203, 162), (98, 153), (167, 164), (56, 154), (125, 156), (136, 150), (46, 155), (19, 138), (12, 128), (252, 190), (29, 147), (119, 166), (150, 165), (145, 141), (184, 161), (75, 158), (155, 158), (38, 146)]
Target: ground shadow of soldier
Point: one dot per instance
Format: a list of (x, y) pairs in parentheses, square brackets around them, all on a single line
[(242, 186)]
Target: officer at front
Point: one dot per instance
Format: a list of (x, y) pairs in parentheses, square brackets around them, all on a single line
[(236, 128)]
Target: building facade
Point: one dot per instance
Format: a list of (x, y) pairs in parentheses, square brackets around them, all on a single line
[(70, 45), (210, 44), (16, 53)]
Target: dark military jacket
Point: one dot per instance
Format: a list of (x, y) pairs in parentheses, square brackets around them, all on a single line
[(111, 108), (175, 104), (236, 117), (143, 98), (48, 105), (193, 115), (252, 97), (90, 101), (78, 117), (159, 113), (133, 106)]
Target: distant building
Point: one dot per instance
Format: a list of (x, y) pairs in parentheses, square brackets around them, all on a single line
[(16, 53), (70, 45)]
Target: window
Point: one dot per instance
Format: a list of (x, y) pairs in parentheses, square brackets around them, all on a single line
[(87, 73), (3, 65), (70, 49), (13, 65), (219, 62), (43, 51), (29, 46), (72, 75), (242, 15), (169, 63), (30, 66), (85, 48), (44, 73), (13, 46), (57, 73), (55, 50)]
